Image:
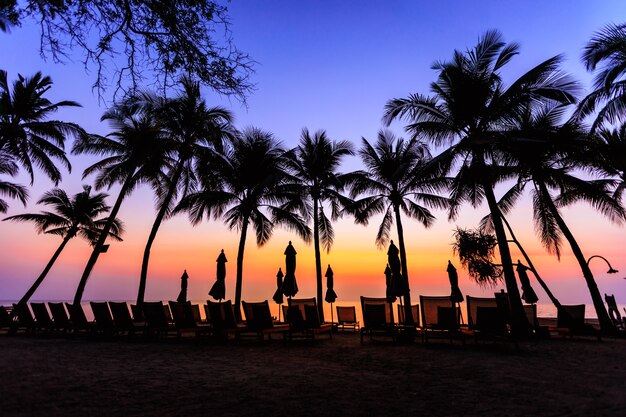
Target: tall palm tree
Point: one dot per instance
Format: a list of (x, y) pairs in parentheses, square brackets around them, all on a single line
[(470, 104), (547, 160), (191, 126), (9, 189), (396, 182), (315, 163), (69, 217), (247, 186), (605, 53), (25, 134), (133, 154)]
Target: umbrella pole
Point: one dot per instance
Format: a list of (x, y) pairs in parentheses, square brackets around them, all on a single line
[(332, 320)]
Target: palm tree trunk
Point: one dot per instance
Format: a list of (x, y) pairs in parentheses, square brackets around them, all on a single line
[(318, 260), (408, 313), (97, 249), (519, 321), (541, 282), (43, 274), (153, 232), (606, 326), (242, 245)]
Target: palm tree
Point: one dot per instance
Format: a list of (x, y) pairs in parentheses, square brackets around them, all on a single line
[(314, 163), (133, 154), (547, 160), (396, 182), (25, 134), (247, 186), (191, 126), (606, 52), (69, 217), (472, 105), (610, 149), (9, 189)]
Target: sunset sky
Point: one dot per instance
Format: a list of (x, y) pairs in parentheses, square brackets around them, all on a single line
[(321, 65)]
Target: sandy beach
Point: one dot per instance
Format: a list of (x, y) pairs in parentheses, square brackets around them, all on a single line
[(82, 376)]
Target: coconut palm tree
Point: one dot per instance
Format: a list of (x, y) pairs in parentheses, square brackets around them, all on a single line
[(605, 53), (134, 153), (396, 181), (315, 163), (247, 186), (9, 189), (472, 106), (191, 126), (25, 134), (547, 160), (69, 217)]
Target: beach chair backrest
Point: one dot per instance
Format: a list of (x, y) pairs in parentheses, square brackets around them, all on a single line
[(258, 315), (439, 311), (221, 315), (121, 315), (182, 314), (5, 318), (571, 317), (154, 314), (301, 303), (474, 303), (137, 312), (59, 315), (376, 312), (415, 308), (102, 315), (41, 314), (78, 318), (346, 314), (24, 316), (531, 314), (614, 313)]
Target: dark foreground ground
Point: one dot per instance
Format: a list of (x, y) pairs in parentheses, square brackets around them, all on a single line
[(339, 377)]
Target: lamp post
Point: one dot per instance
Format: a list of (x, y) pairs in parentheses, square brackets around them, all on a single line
[(611, 269)]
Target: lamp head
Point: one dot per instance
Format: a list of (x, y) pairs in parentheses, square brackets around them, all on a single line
[(612, 271)]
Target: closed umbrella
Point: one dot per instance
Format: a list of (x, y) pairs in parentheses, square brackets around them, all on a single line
[(528, 294), (331, 295), (290, 287), (182, 296), (278, 295), (455, 295), (218, 290)]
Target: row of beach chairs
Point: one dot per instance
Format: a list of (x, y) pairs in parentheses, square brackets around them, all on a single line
[(158, 319)]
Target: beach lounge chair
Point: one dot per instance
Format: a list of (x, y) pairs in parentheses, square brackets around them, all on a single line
[(25, 321), (311, 325), (6, 321), (157, 323), (122, 319), (59, 317), (487, 319), (616, 317), (570, 321), (103, 320), (415, 308), (78, 319), (377, 318), (259, 320), (221, 317), (440, 318), (540, 331), (137, 313), (43, 321), (185, 320), (346, 318)]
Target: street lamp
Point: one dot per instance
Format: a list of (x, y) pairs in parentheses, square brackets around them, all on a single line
[(611, 269)]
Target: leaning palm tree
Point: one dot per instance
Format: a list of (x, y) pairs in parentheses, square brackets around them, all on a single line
[(69, 217), (25, 134), (315, 163), (605, 53), (192, 127), (396, 181), (9, 189), (472, 106), (548, 161), (133, 154), (247, 186)]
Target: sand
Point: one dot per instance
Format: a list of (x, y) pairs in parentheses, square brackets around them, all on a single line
[(43, 375)]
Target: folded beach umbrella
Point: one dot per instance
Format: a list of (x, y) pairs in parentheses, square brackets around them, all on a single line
[(331, 295), (528, 294), (398, 287), (182, 296), (290, 287), (218, 290), (278, 295), (455, 295)]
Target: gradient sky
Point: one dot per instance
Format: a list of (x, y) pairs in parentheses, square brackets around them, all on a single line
[(321, 65)]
